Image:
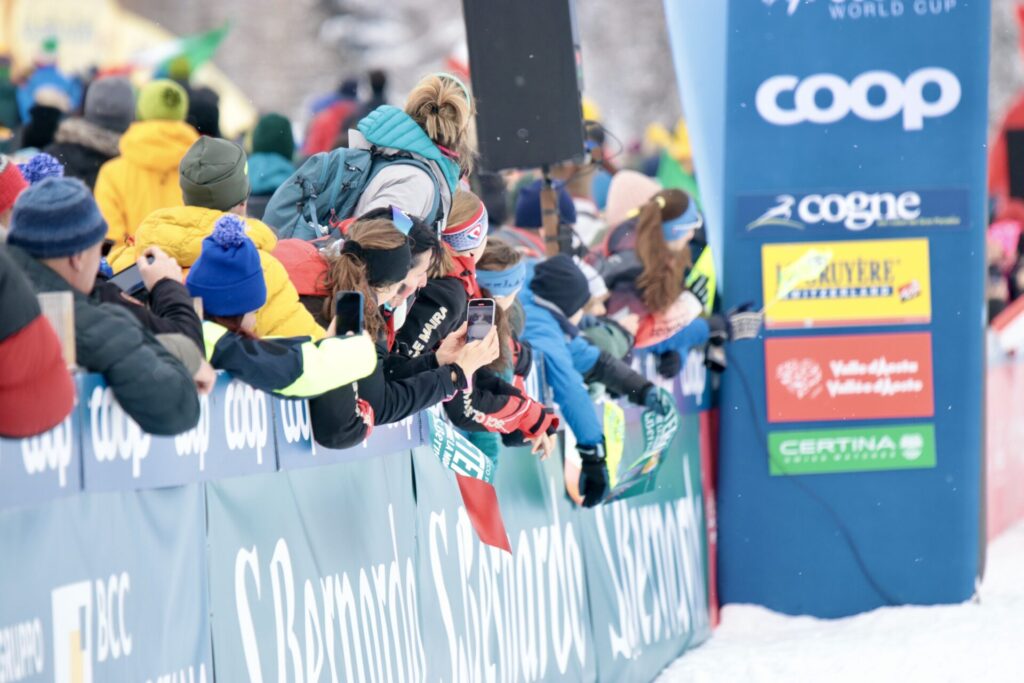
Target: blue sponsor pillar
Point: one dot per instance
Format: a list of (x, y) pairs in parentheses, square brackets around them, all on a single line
[(852, 135)]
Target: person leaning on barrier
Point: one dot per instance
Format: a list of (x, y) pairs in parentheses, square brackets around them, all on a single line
[(229, 279), (553, 298), (56, 238), (168, 308), (374, 261)]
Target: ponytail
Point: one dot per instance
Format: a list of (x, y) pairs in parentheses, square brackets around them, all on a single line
[(664, 271), (443, 108)]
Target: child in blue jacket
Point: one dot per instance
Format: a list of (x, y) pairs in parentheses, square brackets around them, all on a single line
[(553, 298)]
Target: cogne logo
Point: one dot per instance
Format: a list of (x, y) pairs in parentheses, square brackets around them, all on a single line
[(849, 377), (856, 210), (788, 100)]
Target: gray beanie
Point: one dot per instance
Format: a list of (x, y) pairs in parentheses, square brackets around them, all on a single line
[(110, 103)]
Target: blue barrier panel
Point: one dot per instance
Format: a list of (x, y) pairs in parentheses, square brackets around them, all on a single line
[(38, 469), (312, 574), (106, 587), (296, 447), (850, 463), (234, 436)]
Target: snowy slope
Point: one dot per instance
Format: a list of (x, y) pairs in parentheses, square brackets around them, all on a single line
[(970, 642)]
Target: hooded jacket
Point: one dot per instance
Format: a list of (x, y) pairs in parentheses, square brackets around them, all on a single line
[(83, 147), (180, 232), (140, 181), (391, 131), (267, 172), (149, 383)]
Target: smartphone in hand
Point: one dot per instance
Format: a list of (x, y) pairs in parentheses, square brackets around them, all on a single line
[(480, 317), (348, 309)]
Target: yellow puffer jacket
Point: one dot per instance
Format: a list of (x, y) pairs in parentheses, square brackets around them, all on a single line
[(180, 232), (140, 181)]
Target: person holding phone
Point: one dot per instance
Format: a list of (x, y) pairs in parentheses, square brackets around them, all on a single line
[(228, 277), (452, 298), (374, 261), (168, 306)]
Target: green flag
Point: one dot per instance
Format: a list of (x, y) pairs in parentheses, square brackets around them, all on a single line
[(673, 176)]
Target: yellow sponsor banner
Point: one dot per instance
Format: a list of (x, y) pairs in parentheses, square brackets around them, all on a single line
[(865, 282)]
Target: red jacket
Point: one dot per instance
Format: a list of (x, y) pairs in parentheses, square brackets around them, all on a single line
[(36, 391)]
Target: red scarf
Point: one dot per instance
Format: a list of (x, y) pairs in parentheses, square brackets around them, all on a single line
[(465, 272)]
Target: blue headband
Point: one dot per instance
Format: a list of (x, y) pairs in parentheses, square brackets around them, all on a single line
[(502, 282), (688, 222)]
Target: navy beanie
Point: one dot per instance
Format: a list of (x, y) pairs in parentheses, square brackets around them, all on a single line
[(228, 275), (56, 217), (560, 281), (528, 214)]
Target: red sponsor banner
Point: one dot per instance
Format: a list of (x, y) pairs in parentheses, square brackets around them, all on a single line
[(855, 377)]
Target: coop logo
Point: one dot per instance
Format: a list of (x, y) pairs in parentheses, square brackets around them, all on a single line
[(196, 441), (245, 418), (295, 421), (114, 434), (826, 98), (50, 452), (841, 10), (77, 618)]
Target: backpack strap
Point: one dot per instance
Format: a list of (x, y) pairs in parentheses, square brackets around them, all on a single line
[(382, 160)]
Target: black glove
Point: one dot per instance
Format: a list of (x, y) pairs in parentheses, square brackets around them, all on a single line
[(593, 475), (720, 332), (658, 400), (669, 363)]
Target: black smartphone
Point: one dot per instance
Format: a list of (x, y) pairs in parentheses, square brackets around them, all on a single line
[(130, 281), (480, 316), (348, 309)]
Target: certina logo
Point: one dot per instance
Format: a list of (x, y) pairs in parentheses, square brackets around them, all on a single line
[(77, 619), (855, 211), (50, 452), (114, 434), (804, 377), (245, 418), (788, 100), (909, 446), (840, 10)]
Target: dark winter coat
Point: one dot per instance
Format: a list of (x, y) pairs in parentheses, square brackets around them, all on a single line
[(83, 147), (397, 389), (148, 382), (170, 308)]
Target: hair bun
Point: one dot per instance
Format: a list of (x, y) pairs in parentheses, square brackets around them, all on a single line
[(673, 203)]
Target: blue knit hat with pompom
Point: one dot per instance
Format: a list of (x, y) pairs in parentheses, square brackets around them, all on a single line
[(40, 167), (228, 276)]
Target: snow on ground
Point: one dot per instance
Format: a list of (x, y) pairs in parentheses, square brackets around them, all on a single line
[(967, 642)]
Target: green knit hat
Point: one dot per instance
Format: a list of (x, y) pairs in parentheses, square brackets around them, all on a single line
[(162, 100), (273, 134), (214, 174)]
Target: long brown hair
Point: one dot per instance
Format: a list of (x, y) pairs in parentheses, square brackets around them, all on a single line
[(662, 279), (347, 272), (443, 108), (499, 255)]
